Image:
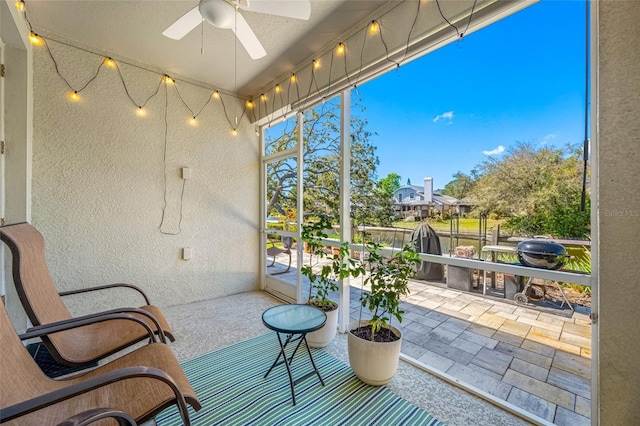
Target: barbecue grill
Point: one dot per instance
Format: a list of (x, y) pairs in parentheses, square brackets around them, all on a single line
[(542, 253)]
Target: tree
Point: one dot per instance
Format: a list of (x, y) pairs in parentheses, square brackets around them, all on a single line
[(461, 185), (389, 184), (540, 188), (321, 166)]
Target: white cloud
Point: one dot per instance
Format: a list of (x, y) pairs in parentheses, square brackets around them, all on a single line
[(496, 151), (547, 139), (444, 116)]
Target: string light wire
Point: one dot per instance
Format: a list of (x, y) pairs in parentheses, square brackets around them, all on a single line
[(164, 162), (187, 106), (415, 19), (458, 33), (55, 65), (126, 89)]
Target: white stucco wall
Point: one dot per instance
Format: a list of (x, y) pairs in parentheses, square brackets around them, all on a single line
[(619, 212), (98, 189)]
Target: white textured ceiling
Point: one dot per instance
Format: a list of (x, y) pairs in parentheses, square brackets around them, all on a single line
[(132, 30)]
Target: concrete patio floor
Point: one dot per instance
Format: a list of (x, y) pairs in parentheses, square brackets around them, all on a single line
[(533, 358)]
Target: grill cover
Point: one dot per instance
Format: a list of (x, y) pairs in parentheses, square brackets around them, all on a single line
[(425, 240)]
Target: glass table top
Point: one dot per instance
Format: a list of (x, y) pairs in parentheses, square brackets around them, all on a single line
[(294, 319)]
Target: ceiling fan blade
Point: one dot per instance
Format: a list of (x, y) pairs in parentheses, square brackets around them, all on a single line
[(184, 25), (248, 38), (298, 9)]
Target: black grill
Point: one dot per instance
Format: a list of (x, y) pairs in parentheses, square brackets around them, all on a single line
[(542, 253)]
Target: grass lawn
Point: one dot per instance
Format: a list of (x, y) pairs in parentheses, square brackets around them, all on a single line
[(467, 225)]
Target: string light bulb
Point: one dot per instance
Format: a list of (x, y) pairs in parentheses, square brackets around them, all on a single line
[(234, 132), (257, 131), (167, 80), (193, 121), (263, 97), (316, 64), (20, 5), (278, 88), (293, 77), (249, 104), (140, 112), (74, 96), (216, 94), (340, 49), (374, 27), (35, 39), (109, 63)]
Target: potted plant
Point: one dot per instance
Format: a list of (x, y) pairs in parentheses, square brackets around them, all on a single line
[(325, 280), (374, 345)]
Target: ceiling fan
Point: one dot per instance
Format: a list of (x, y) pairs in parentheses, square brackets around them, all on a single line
[(225, 14)]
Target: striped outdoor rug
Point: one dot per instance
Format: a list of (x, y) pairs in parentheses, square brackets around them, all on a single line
[(229, 382)]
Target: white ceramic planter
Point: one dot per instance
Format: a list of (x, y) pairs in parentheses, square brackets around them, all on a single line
[(322, 337), (374, 363)]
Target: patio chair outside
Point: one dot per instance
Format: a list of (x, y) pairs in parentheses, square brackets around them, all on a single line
[(140, 384), (43, 305), (273, 250)]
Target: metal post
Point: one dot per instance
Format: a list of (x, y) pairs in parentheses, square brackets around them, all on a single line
[(345, 199)]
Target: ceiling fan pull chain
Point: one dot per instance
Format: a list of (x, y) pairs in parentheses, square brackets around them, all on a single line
[(202, 38)]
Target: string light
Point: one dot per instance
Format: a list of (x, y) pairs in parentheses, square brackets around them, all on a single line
[(193, 121), (35, 39), (234, 132), (20, 5), (374, 27)]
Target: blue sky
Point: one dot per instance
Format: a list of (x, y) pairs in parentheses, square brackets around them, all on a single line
[(518, 80)]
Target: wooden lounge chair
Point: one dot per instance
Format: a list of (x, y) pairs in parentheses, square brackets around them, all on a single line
[(273, 250), (141, 383), (43, 305)]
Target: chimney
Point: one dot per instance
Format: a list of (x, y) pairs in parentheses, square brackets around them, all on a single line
[(428, 189)]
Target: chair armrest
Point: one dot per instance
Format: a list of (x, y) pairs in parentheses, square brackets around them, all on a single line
[(54, 327), (90, 416), (104, 287), (43, 401), (132, 310)]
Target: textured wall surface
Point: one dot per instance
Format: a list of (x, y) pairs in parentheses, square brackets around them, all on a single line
[(98, 184), (619, 210)]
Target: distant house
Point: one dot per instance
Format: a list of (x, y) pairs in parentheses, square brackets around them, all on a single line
[(465, 205), (421, 202)]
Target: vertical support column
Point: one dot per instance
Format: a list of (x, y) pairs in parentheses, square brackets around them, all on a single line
[(345, 198), (18, 134), (300, 213), (617, 216), (263, 211), (2, 172), (594, 47)]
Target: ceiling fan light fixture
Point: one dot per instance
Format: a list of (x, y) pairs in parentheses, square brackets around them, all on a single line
[(218, 13)]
